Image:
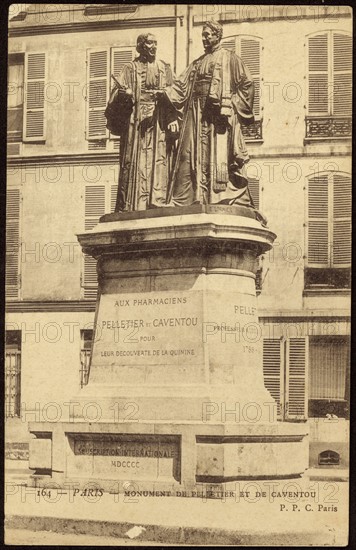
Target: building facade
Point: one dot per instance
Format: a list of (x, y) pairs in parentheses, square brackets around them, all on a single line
[(63, 173)]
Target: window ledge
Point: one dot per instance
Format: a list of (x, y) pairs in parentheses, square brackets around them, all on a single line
[(257, 141), (326, 139), (326, 291)]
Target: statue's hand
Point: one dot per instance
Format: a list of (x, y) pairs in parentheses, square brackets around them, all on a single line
[(173, 127)]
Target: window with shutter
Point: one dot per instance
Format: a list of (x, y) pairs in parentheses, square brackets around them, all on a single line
[(328, 229), (101, 65), (34, 116), (273, 370), (97, 94), (12, 243), (249, 48), (98, 200), (296, 379), (329, 85), (285, 371)]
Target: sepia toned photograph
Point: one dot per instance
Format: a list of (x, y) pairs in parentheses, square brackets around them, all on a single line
[(178, 274)]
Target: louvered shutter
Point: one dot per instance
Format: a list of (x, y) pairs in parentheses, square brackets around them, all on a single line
[(119, 57), (113, 196), (342, 71), (94, 208), (254, 188), (98, 93), (229, 43), (341, 243), (273, 370), (296, 379), (250, 53), (318, 75), (35, 76), (318, 221), (12, 277)]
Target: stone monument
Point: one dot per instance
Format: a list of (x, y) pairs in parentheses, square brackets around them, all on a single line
[(176, 388)]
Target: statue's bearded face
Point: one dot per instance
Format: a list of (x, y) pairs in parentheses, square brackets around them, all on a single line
[(149, 47), (210, 39)]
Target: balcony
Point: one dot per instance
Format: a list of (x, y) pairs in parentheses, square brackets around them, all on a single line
[(252, 132), (328, 127)]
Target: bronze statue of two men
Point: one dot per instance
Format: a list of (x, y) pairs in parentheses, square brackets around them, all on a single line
[(181, 139)]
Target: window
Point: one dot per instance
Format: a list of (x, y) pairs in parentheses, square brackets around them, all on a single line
[(328, 231), (15, 97), (329, 359), (12, 276), (13, 374), (86, 337), (329, 458), (98, 200), (101, 64), (329, 85), (285, 368), (249, 48), (26, 97)]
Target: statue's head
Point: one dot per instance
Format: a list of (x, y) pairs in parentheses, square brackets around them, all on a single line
[(211, 34), (147, 46)]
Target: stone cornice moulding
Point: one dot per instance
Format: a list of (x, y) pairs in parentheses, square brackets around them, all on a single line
[(113, 157), (50, 306), (90, 26)]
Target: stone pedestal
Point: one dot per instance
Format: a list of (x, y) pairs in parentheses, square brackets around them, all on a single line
[(176, 394)]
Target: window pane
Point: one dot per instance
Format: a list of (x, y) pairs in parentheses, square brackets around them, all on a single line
[(15, 85)]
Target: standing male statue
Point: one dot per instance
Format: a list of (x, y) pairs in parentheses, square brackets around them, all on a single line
[(212, 96), (146, 146)]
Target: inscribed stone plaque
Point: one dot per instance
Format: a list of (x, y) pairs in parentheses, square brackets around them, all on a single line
[(155, 328), (124, 457)]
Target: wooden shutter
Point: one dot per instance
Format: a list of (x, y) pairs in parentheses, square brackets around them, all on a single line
[(318, 75), (229, 43), (98, 93), (119, 57), (113, 197), (35, 75), (342, 72), (318, 221), (254, 188), (250, 53), (273, 370), (94, 208), (341, 241), (12, 243), (296, 379)]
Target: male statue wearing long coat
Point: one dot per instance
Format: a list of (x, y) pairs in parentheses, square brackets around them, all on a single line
[(146, 145), (212, 97)]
